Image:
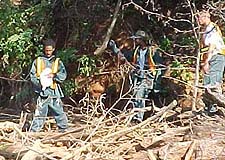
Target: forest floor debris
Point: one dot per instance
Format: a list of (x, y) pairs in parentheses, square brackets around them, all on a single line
[(193, 136)]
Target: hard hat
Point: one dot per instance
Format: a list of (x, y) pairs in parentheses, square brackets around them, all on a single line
[(142, 34)]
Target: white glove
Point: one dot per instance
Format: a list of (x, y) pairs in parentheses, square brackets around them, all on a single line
[(44, 79)]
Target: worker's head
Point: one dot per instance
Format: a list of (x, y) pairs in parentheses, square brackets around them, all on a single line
[(49, 47), (142, 37), (204, 17)]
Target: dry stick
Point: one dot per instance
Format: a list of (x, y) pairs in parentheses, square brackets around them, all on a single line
[(159, 15), (100, 50), (151, 155), (167, 135), (76, 153), (190, 150), (197, 61), (22, 134), (35, 151), (62, 134), (12, 79), (4, 139)]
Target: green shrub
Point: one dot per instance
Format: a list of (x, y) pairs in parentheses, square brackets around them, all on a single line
[(20, 34), (87, 65)]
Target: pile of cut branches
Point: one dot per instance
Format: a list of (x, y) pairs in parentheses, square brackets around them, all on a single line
[(164, 135)]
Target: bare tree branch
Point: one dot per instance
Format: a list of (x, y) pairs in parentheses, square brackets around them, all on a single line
[(100, 50)]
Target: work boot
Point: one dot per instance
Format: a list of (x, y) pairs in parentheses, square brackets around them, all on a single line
[(213, 108), (217, 97), (136, 121)]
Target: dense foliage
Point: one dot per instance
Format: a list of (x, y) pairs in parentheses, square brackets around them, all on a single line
[(21, 30)]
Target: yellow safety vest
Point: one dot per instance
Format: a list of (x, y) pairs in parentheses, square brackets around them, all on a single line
[(204, 49), (151, 62), (40, 66)]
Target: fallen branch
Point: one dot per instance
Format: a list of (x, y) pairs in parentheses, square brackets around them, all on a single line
[(151, 155), (190, 150)]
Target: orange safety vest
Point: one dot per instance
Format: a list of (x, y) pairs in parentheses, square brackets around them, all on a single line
[(40, 66), (151, 62)]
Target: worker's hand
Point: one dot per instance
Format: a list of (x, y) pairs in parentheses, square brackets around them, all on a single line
[(205, 67), (121, 57), (112, 45), (51, 75)]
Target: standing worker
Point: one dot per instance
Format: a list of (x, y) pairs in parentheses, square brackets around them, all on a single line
[(145, 78), (213, 61), (47, 73)]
